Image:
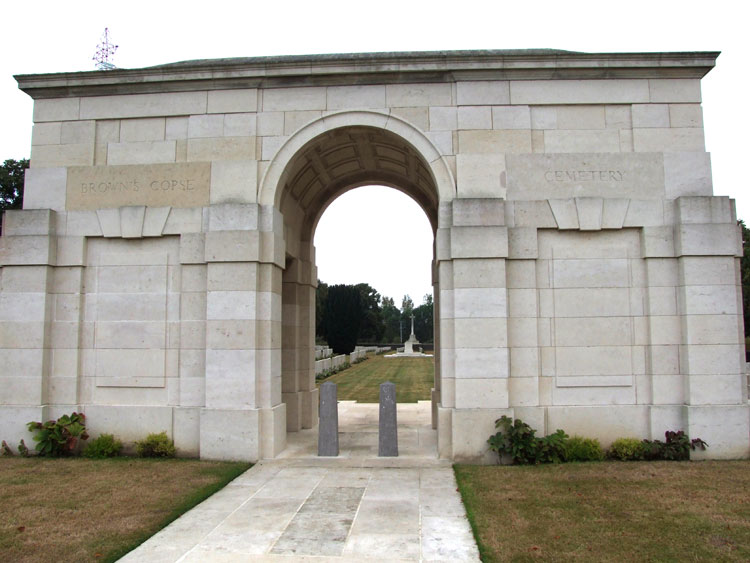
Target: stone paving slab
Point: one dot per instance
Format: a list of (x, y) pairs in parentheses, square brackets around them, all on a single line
[(354, 507), (325, 513)]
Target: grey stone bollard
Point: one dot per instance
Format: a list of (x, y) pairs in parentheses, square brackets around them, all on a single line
[(387, 428), (328, 429)]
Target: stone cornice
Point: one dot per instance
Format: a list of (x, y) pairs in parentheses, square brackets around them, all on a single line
[(369, 68)]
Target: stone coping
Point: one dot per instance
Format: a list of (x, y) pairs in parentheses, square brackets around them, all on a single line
[(368, 68)]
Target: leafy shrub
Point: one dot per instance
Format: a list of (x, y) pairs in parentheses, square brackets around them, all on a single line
[(583, 449), (677, 447), (22, 449), (551, 448), (103, 446), (155, 445), (626, 449), (59, 437), (7, 452), (517, 439)]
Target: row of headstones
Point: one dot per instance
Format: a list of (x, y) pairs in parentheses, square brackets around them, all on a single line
[(326, 352), (328, 432), (323, 352), (357, 354), (329, 363), (326, 362), (373, 349)]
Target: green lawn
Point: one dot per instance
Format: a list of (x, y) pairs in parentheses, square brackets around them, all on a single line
[(76, 509), (610, 511), (414, 377)]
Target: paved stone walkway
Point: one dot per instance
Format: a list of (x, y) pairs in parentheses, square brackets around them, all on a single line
[(355, 507)]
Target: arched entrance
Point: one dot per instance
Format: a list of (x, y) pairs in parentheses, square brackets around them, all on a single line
[(320, 162)]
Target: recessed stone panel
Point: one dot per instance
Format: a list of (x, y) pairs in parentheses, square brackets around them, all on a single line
[(592, 302), (561, 176), (155, 185), (591, 273), (593, 361), (593, 331)]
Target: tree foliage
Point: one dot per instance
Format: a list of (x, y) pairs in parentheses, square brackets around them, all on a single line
[(745, 272), (423, 326), (391, 316), (407, 305), (343, 317), (321, 295), (371, 328), (381, 322), (407, 308), (11, 184)]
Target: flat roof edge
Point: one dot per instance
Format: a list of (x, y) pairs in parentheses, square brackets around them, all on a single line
[(369, 68)]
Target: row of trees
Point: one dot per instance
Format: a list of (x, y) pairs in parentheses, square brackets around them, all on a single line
[(350, 314)]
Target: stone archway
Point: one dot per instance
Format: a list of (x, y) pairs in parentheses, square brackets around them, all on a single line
[(322, 161), (539, 175)]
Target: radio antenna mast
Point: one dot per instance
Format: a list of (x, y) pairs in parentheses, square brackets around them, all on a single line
[(105, 50)]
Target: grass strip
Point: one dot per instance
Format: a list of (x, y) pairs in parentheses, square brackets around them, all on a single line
[(609, 511), (471, 503), (75, 509)]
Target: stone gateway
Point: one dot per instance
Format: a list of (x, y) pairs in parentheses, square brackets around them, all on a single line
[(161, 275)]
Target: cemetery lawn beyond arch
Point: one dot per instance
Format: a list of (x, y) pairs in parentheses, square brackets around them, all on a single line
[(361, 382)]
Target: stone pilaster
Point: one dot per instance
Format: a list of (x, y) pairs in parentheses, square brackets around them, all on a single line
[(28, 252), (474, 323), (707, 243), (298, 338), (243, 324)]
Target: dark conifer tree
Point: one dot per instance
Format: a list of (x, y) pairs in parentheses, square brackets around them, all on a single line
[(343, 318)]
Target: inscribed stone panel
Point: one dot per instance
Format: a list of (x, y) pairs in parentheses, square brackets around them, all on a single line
[(561, 176), (155, 185)]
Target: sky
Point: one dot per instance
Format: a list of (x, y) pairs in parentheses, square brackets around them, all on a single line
[(61, 37)]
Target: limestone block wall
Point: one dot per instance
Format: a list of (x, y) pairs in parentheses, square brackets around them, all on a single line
[(478, 126), (143, 330), (611, 330), (162, 275)]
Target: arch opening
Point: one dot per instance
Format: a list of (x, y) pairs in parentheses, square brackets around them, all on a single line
[(320, 170), (377, 235), (350, 157)]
